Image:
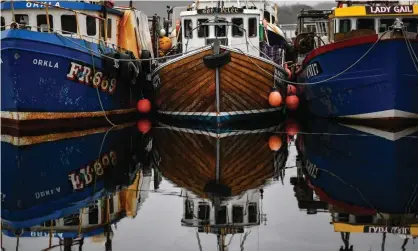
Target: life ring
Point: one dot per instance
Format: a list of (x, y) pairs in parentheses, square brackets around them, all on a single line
[(218, 60)]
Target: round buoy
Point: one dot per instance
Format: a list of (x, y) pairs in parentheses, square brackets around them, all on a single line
[(292, 102), (291, 90), (162, 32), (292, 127), (275, 143), (144, 125), (165, 44), (275, 98), (144, 106)]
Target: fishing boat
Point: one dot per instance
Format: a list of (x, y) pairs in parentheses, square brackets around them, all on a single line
[(228, 57), (222, 173), (83, 66), (362, 191), (93, 220), (361, 63), (72, 169)]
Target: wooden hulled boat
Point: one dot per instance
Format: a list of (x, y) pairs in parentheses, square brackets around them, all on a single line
[(222, 173), (226, 69), (236, 160)]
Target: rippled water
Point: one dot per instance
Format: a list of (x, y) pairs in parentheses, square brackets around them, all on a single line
[(321, 190)]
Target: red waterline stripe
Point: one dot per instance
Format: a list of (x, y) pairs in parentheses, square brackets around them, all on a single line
[(350, 208)]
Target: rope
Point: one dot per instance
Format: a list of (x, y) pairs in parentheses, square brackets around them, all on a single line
[(97, 89), (13, 11), (325, 80), (410, 49)]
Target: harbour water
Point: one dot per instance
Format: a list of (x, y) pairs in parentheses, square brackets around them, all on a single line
[(321, 169)]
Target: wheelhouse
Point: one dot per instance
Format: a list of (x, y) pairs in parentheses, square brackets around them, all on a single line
[(67, 18)]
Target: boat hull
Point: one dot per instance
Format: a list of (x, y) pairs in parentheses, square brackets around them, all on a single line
[(365, 169), (383, 85), (187, 88), (46, 77)]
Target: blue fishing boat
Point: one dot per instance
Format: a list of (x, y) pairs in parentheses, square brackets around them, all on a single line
[(83, 65), (362, 169), (361, 61), (72, 170)]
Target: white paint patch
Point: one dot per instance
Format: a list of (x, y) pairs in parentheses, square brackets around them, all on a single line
[(384, 134), (217, 135), (384, 114), (221, 114)]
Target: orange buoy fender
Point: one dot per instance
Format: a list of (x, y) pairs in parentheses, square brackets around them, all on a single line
[(275, 98), (292, 127), (275, 143), (291, 90), (292, 102), (144, 125), (144, 106)]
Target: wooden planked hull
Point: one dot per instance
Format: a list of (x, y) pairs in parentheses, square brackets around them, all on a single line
[(187, 87), (190, 158)]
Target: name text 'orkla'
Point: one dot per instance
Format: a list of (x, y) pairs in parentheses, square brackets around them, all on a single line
[(84, 75)]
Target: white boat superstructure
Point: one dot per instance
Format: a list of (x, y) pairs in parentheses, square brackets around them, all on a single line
[(238, 24)]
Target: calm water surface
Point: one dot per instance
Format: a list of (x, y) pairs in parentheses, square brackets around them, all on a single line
[(320, 186)]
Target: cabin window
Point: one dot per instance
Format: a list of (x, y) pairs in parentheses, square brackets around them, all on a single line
[(91, 26), (365, 24), (42, 23), (345, 25), (252, 27), (203, 212), (267, 16), (238, 27), (93, 214), (188, 28), (203, 30), (72, 220), (189, 214), (68, 24), (252, 213), (222, 215), (385, 23), (411, 24), (109, 28), (3, 23), (237, 214), (220, 30), (23, 20)]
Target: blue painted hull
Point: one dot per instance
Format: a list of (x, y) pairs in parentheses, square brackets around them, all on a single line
[(365, 171), (383, 81), (39, 182), (34, 77)]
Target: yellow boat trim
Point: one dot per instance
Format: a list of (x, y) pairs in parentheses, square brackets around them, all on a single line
[(60, 115), (360, 11), (344, 227), (32, 140)]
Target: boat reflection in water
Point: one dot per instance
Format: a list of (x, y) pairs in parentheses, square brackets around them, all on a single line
[(73, 185), (222, 173), (367, 181)]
